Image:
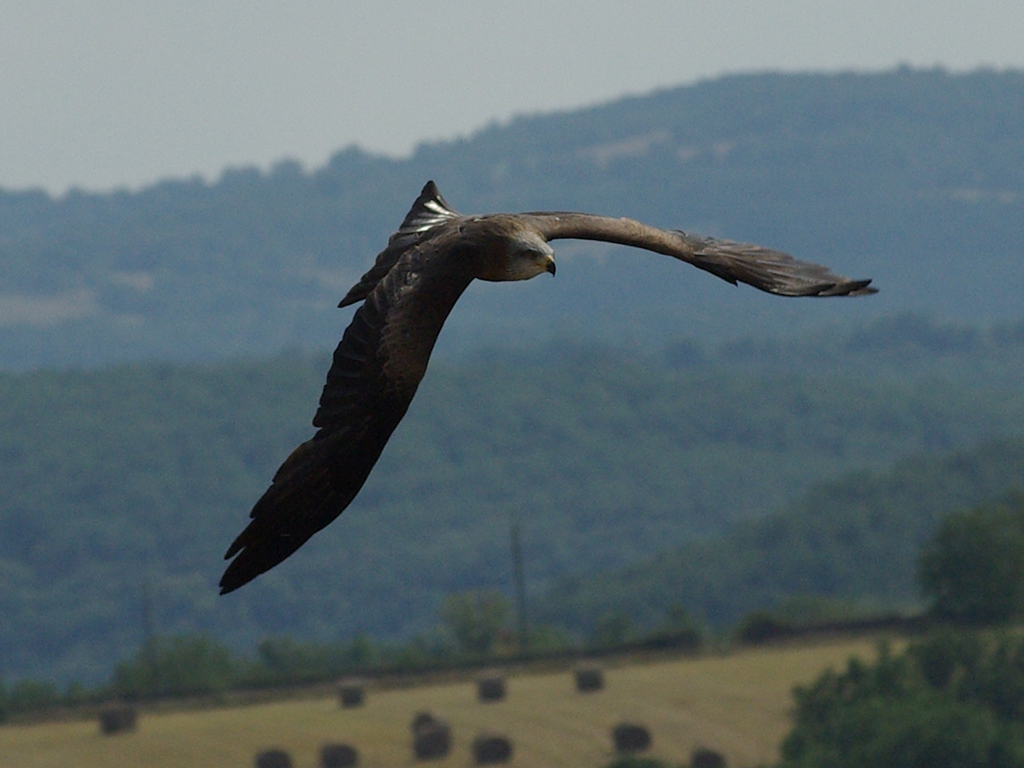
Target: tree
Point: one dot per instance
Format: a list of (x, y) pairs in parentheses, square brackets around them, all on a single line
[(922, 731), (612, 629), (973, 567), (26, 695), (192, 664), (912, 711), (476, 619)]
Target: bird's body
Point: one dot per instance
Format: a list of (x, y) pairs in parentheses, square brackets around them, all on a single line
[(407, 295)]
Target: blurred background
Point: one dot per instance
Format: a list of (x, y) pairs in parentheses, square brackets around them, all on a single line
[(187, 191)]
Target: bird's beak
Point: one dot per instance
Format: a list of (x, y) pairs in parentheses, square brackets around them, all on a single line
[(550, 265)]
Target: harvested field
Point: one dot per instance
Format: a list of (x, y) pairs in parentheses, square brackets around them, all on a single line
[(737, 705)]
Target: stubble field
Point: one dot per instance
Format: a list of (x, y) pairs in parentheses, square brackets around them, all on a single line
[(737, 704)]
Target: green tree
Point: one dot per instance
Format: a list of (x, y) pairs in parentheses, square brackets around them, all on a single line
[(193, 664), (947, 701), (920, 731), (27, 695), (612, 629), (476, 619), (287, 660), (973, 567)]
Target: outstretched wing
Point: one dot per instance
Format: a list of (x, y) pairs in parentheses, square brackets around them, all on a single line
[(428, 213), (383, 354), (375, 372), (772, 271)]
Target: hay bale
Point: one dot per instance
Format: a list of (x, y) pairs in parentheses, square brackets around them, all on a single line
[(431, 740), (338, 756), (118, 718), (488, 749), (273, 758), (421, 721), (351, 693), (589, 679), (630, 738), (703, 757), (490, 688)]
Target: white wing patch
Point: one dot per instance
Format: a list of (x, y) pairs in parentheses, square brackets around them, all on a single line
[(430, 210)]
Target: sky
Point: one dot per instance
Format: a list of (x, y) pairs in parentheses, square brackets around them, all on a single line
[(115, 94)]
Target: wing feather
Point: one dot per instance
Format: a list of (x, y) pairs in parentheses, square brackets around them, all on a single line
[(428, 213), (374, 375), (763, 268)]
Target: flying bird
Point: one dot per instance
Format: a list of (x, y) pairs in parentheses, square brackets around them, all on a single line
[(406, 297)]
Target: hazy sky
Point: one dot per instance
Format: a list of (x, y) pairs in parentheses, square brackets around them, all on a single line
[(113, 93)]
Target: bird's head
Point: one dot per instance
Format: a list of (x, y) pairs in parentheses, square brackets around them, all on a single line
[(528, 256), (521, 254)]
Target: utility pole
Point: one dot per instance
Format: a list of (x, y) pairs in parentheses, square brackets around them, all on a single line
[(520, 586), (149, 630)]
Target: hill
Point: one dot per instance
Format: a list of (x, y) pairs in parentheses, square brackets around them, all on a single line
[(144, 473), (737, 704), (911, 177), (852, 538)]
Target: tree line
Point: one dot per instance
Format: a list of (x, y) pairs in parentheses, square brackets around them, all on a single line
[(953, 698), (145, 472), (827, 166)]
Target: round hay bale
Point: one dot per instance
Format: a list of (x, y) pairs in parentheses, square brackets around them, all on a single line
[(703, 757), (422, 720), (432, 741), (589, 679), (273, 758), (338, 756), (491, 688), (629, 738), (118, 718), (351, 693), (488, 749)]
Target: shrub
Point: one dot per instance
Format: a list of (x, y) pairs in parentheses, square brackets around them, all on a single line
[(951, 700)]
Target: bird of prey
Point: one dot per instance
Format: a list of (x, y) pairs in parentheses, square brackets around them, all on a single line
[(406, 297)]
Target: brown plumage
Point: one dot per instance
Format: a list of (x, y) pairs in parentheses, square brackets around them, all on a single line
[(407, 296)]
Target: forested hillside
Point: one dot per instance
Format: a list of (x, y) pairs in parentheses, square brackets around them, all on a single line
[(854, 538), (914, 178), (660, 436), (140, 473)]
